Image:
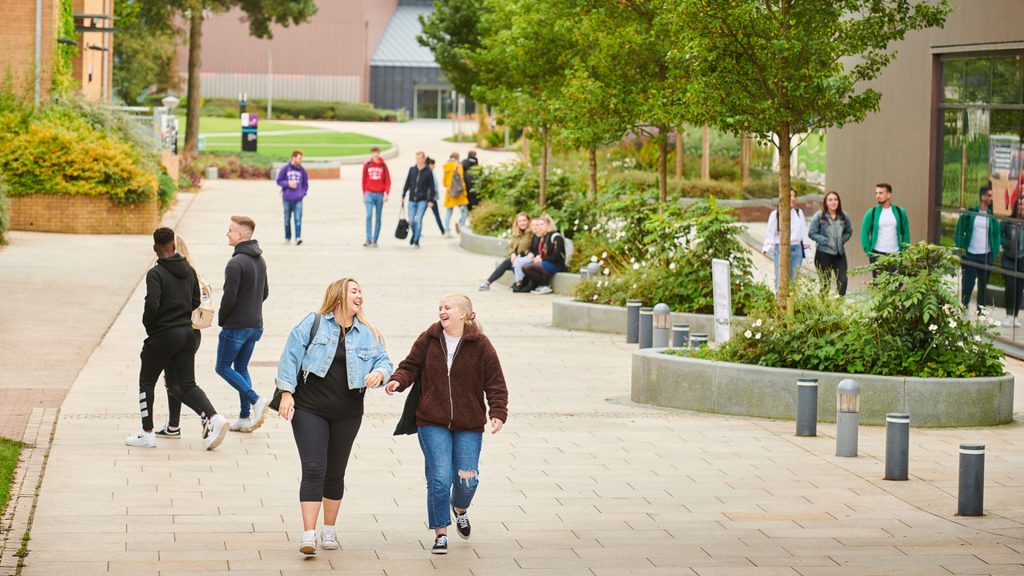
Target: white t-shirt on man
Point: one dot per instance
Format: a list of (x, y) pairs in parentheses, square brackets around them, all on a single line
[(979, 236), (888, 235)]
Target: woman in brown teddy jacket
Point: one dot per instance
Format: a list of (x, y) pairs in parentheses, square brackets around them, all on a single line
[(457, 369)]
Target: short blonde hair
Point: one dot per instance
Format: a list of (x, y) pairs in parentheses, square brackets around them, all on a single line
[(464, 303)]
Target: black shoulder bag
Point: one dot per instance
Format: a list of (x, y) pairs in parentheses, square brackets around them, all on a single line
[(275, 402)]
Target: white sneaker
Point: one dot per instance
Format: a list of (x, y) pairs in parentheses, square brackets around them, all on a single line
[(308, 543), (329, 539), (141, 440), (241, 425), (259, 414), (215, 431), (485, 286), (543, 290)]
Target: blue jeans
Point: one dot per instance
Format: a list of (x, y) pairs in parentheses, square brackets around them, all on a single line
[(796, 257), (416, 211), (292, 208), (462, 217), (451, 460), (234, 349), (374, 201)]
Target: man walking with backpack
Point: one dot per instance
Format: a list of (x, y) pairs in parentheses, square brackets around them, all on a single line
[(885, 228), (241, 320), (172, 293), (376, 189), (455, 185)]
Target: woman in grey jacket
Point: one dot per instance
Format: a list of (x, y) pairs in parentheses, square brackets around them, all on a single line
[(830, 230)]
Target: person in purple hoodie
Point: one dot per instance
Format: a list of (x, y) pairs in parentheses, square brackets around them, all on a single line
[(294, 183)]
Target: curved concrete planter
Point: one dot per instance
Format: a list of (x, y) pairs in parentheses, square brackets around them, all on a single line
[(745, 390), (563, 283), (575, 315)]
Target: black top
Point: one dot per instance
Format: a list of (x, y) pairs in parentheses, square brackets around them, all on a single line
[(330, 396), (419, 185), (172, 293), (245, 288)]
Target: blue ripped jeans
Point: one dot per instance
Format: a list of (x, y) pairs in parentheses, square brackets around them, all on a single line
[(451, 459)]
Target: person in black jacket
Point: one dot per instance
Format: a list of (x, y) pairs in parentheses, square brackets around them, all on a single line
[(419, 185), (241, 320), (467, 167), (549, 259), (172, 293)]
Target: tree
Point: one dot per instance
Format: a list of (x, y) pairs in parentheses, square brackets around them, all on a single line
[(260, 14), (780, 68), (143, 53), (451, 32)]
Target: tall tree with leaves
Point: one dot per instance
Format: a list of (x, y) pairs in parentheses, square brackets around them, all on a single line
[(452, 34), (143, 53), (260, 15), (781, 68)]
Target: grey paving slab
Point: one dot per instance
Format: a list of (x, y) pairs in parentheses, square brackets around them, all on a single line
[(580, 481)]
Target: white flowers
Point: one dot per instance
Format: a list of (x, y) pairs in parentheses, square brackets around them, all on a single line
[(952, 323), (636, 266), (757, 336), (593, 258), (605, 271), (758, 323), (977, 337), (748, 333), (933, 327), (672, 266)]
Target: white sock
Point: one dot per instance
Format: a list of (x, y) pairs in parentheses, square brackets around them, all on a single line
[(329, 529), (309, 535)]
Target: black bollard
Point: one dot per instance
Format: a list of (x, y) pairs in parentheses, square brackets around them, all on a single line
[(807, 407), (646, 327), (633, 321), (897, 446), (971, 498)]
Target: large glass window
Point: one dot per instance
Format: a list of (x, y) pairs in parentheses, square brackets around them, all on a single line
[(981, 132)]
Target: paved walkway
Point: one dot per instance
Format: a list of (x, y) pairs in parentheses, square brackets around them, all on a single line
[(580, 481)]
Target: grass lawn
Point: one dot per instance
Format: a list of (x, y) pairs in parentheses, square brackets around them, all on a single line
[(323, 144), (210, 125), (9, 450)]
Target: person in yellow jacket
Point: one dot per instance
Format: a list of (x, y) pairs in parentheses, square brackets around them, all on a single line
[(455, 194)]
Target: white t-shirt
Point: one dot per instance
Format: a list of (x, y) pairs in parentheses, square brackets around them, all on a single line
[(452, 344), (979, 236), (888, 236)]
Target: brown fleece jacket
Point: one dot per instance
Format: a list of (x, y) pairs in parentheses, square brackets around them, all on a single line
[(455, 401)]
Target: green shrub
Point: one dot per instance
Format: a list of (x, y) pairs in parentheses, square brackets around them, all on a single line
[(234, 165), (5, 211), (908, 322), (680, 188), (492, 218), (166, 187), (301, 110)]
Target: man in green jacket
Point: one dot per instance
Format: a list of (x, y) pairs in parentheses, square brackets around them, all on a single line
[(885, 228), (979, 237)]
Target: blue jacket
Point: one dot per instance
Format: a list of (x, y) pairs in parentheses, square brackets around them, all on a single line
[(363, 353)]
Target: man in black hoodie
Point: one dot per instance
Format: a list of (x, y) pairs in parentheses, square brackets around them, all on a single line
[(241, 320), (172, 293)]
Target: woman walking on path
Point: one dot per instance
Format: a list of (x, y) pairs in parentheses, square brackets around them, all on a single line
[(455, 194), (457, 369), (340, 355), (831, 230), (519, 242), (798, 240)]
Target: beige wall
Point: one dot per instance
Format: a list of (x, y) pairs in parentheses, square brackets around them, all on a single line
[(92, 69), (17, 43), (895, 145)]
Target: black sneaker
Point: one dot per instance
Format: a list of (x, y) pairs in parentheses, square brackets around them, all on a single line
[(462, 523), (166, 432), (440, 545)]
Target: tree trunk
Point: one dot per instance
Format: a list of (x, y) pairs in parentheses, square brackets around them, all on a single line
[(483, 126), (544, 145), (663, 164), (195, 45), (784, 219), (526, 147), (592, 191), (680, 150), (746, 144), (705, 153)]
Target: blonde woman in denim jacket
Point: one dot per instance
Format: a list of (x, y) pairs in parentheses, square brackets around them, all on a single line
[(344, 358)]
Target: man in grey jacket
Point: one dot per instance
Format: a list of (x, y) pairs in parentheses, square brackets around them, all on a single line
[(241, 320)]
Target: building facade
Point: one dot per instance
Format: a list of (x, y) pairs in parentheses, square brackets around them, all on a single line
[(93, 66), (26, 30)]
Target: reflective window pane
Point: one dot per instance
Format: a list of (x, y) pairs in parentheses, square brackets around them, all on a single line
[(1006, 80), (977, 81), (952, 81)]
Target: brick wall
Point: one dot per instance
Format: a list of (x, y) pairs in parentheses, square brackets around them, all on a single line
[(82, 215), (17, 43)]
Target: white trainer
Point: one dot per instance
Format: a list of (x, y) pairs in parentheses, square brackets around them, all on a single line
[(259, 414), (216, 430), (141, 440), (241, 425), (329, 539), (308, 543)]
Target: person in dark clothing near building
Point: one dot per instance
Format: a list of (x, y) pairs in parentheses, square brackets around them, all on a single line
[(172, 293), (1013, 261), (549, 259), (979, 236), (467, 167), (241, 320), (294, 183), (419, 186)]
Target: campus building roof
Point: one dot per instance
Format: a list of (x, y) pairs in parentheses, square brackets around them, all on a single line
[(399, 47)]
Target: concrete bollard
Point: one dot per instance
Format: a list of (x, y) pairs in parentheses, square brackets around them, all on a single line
[(662, 325), (633, 321), (897, 446), (594, 269), (212, 172), (584, 273), (807, 407), (847, 417), (698, 340), (971, 495), (646, 326), (680, 335)]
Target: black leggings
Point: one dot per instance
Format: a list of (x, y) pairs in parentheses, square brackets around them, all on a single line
[(324, 447), (173, 404), (505, 266), (174, 351), (833, 265), (536, 272)]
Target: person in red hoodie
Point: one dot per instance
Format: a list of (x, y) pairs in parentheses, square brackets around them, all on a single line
[(458, 370), (376, 188)]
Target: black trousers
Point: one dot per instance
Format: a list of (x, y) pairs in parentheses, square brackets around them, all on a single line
[(173, 404), (437, 216), (1014, 285), (324, 447), (833, 265), (505, 266), (173, 351), (535, 271)]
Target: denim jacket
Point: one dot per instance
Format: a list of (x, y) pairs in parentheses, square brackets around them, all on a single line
[(363, 352)]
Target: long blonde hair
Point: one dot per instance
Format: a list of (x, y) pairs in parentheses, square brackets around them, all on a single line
[(335, 296), (516, 232), (463, 302), (182, 248)]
